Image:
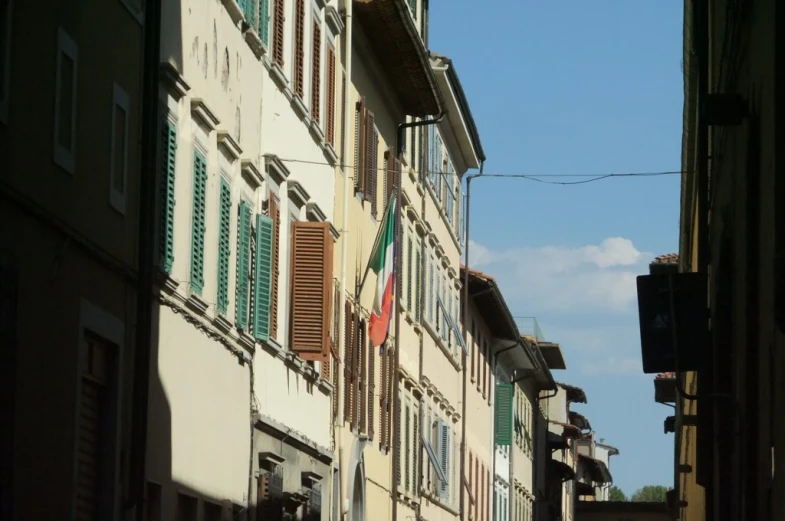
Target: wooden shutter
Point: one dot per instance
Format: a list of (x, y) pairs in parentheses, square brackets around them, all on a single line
[(343, 116), (329, 131), (264, 21), (371, 161), (299, 46), (278, 30), (224, 249), (166, 239), (362, 356), (263, 277), (383, 397), (243, 264), (360, 124), (391, 377), (348, 361), (404, 432), (197, 223), (418, 282), (371, 390), (311, 290), (415, 448), (389, 178), (409, 270), (503, 414), (274, 212), (357, 340), (316, 71)]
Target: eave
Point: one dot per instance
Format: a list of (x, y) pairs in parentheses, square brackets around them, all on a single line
[(665, 388), (688, 142), (579, 421), (459, 121), (552, 354), (574, 394), (490, 304), (394, 41)]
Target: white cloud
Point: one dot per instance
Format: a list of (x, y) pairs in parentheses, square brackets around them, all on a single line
[(613, 366), (558, 278)]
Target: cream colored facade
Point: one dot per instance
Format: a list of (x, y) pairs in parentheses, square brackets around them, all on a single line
[(240, 412), (557, 417), (69, 123)]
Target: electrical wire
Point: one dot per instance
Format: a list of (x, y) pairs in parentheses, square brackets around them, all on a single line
[(540, 178)]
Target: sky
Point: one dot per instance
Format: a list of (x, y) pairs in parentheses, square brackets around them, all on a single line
[(577, 87)]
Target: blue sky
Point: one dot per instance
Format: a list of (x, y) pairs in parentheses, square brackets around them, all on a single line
[(578, 87)]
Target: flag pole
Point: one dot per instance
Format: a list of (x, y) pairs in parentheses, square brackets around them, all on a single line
[(376, 243)]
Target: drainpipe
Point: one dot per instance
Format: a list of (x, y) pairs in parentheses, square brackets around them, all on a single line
[(397, 300), (421, 312), (465, 333), (348, 184), (146, 235), (493, 428)]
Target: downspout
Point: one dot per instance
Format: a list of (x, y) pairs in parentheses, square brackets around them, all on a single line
[(397, 300), (146, 235), (493, 428), (466, 336), (420, 312), (346, 59)]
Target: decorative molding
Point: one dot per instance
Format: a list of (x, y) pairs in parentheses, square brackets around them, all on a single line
[(253, 175), (280, 79), (325, 386), (297, 193), (314, 213), (222, 323), (413, 175), (254, 42), (197, 303), (200, 109), (227, 143), (316, 131), (275, 168), (419, 227), (247, 341), (330, 153), (334, 232), (266, 424), (173, 80), (405, 199), (299, 107), (333, 19), (235, 13)]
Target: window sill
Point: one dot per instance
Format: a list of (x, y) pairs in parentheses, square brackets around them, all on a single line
[(235, 13), (167, 283), (197, 303), (278, 77), (326, 387), (295, 362), (247, 341), (255, 43), (274, 348), (299, 107), (316, 131), (330, 154), (222, 323)]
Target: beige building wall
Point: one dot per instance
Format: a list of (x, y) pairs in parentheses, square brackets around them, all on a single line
[(67, 250)]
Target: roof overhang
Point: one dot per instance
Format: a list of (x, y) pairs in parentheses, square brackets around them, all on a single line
[(560, 470), (596, 469), (394, 41), (459, 121), (556, 441), (574, 394), (490, 304), (688, 138), (665, 388), (552, 354), (579, 421)]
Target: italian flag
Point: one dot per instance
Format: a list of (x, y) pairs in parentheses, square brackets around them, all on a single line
[(382, 263)]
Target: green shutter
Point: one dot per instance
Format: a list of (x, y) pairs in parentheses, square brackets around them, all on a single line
[(243, 264), (242, 5), (197, 223), (418, 283), (224, 250), (248, 9), (166, 246), (263, 277), (413, 8), (503, 414), (264, 21)]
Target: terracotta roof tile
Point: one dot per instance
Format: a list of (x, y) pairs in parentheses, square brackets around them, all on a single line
[(666, 376), (668, 258)]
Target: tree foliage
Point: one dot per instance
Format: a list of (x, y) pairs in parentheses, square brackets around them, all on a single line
[(650, 493), (617, 494)]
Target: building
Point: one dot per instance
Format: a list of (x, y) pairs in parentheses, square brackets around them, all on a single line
[(594, 462), (70, 120), (622, 510), (244, 310)]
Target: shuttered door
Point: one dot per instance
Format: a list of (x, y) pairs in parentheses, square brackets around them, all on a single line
[(92, 417)]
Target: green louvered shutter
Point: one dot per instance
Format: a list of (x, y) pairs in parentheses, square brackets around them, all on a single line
[(264, 21), (503, 414), (413, 8), (243, 264), (263, 277), (243, 7), (166, 246), (197, 224), (409, 272), (248, 9), (418, 283), (224, 249)]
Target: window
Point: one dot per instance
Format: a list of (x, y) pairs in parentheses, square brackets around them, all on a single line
[(274, 212), (409, 435), (311, 290), (243, 265), (118, 168), (262, 278), (167, 202), (299, 48), (278, 32), (198, 222), (316, 69), (409, 270), (329, 130), (504, 414), (264, 21), (65, 102), (186, 507), (366, 155), (418, 282), (224, 249), (5, 56)]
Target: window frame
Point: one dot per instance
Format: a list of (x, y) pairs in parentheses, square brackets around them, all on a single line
[(65, 45), (120, 99)]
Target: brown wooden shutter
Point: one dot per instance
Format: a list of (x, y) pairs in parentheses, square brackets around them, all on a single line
[(370, 159), (326, 369), (316, 71), (343, 118), (274, 211), (311, 290), (348, 342), (389, 178), (278, 32), (383, 400), (474, 345), (469, 479), (330, 101), (360, 123), (484, 366), (371, 389), (362, 356), (391, 376), (299, 46)]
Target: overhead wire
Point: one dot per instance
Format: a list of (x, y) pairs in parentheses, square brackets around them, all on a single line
[(540, 178)]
